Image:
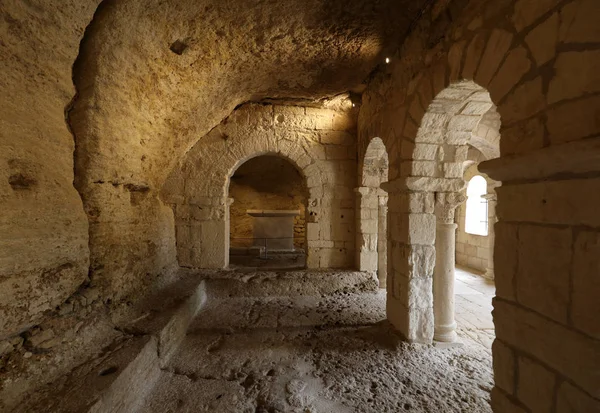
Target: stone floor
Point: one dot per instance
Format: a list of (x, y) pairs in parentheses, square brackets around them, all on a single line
[(474, 307), (256, 348)]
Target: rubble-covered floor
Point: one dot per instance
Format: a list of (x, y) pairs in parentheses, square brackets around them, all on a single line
[(254, 349)]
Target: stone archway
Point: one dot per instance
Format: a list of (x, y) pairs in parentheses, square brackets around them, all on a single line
[(371, 207), (198, 190)]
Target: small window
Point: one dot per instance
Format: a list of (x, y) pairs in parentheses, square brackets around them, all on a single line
[(476, 221)]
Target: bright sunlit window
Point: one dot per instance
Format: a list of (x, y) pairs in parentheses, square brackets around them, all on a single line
[(476, 221)]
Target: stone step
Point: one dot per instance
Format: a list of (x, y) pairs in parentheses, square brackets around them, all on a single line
[(290, 283), (243, 313)]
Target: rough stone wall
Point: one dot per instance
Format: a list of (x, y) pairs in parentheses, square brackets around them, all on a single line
[(154, 76), (43, 230), (50, 320), (266, 182), (472, 250), (540, 62), (320, 142)]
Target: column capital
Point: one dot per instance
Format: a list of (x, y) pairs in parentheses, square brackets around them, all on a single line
[(445, 204)]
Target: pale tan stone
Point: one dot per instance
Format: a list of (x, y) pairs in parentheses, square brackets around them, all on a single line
[(535, 385), (502, 404), (531, 333), (586, 262), (524, 102), (565, 85), (472, 56), (574, 120), (506, 260), (505, 364), (572, 400), (527, 12), (543, 39), (497, 46), (512, 70), (543, 279), (579, 23)]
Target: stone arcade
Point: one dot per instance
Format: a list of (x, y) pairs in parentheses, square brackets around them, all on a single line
[(411, 136)]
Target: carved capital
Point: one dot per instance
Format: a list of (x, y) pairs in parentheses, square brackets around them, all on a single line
[(445, 204)]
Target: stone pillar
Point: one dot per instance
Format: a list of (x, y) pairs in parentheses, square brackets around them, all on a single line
[(382, 240), (443, 274), (491, 198), (367, 205)]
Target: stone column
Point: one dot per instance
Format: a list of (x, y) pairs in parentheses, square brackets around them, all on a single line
[(443, 274), (491, 198), (366, 228), (382, 240)]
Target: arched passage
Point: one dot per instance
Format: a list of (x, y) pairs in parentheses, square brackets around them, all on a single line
[(427, 194), (198, 190), (275, 237), (371, 207)]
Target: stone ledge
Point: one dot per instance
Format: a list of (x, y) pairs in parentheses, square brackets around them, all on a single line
[(577, 157)]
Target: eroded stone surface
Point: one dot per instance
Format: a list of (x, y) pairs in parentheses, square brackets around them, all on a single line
[(315, 354)]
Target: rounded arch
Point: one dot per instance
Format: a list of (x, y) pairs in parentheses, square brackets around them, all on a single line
[(313, 173), (202, 181), (374, 167), (447, 129), (268, 182)]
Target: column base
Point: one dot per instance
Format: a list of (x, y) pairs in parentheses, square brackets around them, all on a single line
[(443, 345), (445, 333)]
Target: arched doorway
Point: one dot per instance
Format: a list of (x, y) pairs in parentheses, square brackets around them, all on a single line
[(372, 212), (429, 191), (268, 197)]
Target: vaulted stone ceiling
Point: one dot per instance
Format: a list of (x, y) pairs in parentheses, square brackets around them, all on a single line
[(164, 73)]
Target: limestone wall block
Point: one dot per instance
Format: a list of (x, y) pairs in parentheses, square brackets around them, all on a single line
[(455, 59), (524, 102), (572, 400), (566, 202), (574, 120), (367, 260), (335, 137), (502, 404), (453, 169), (504, 362), (578, 23), (566, 86), (523, 136), (543, 39), (543, 270), (335, 152), (417, 292), (585, 307), (535, 383), (420, 325), (505, 259), (473, 55), (530, 333), (495, 50), (527, 12), (343, 122), (312, 231), (515, 66), (420, 228)]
